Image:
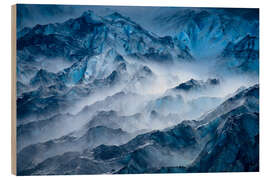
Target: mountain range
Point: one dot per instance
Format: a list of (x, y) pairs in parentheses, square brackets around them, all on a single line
[(102, 93)]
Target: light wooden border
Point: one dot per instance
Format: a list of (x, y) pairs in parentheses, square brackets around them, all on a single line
[(13, 91)]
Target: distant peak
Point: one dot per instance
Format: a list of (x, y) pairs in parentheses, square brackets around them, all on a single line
[(91, 17), (193, 81), (116, 15), (88, 13)]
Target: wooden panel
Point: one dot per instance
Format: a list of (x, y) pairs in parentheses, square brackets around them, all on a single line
[(13, 90)]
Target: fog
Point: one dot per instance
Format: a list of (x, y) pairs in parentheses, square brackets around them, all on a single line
[(142, 97), (145, 101), (54, 64)]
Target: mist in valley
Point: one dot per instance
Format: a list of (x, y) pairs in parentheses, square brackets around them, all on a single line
[(113, 97)]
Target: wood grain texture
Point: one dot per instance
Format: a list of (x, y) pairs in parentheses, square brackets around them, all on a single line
[(13, 90)]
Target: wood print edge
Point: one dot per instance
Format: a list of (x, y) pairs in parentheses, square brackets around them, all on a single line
[(13, 90)]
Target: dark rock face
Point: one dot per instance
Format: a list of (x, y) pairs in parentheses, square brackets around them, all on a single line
[(193, 85), (235, 147), (43, 78), (104, 152), (242, 56)]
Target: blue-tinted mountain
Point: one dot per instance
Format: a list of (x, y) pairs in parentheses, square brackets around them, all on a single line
[(82, 42), (89, 138), (44, 78), (233, 136), (85, 105), (54, 92), (43, 130), (90, 35), (242, 55), (147, 146), (197, 85), (234, 148), (67, 132), (206, 32), (221, 141)]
